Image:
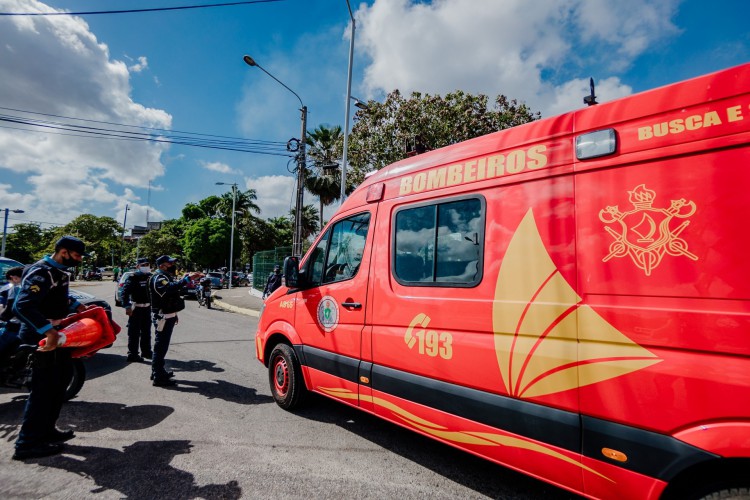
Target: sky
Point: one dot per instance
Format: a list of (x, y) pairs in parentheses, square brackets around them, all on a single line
[(182, 72)]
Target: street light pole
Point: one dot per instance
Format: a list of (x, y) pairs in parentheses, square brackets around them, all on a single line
[(301, 162), (5, 227), (231, 242), (122, 236), (348, 98)]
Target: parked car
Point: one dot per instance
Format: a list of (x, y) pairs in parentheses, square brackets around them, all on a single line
[(118, 291), (218, 280)]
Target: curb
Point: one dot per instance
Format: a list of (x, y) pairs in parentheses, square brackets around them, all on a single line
[(239, 310)]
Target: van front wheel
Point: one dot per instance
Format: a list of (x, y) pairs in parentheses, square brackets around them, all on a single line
[(285, 377)]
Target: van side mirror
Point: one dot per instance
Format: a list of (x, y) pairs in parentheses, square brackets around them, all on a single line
[(291, 271)]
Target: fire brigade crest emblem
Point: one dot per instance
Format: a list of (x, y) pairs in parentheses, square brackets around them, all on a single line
[(647, 233)]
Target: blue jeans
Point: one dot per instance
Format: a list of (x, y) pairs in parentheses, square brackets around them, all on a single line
[(51, 374), (161, 346)]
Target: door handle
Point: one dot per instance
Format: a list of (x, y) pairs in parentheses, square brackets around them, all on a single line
[(355, 305)]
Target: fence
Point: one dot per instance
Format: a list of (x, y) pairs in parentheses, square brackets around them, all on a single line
[(263, 263)]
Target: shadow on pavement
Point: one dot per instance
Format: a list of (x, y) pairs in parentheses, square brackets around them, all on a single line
[(102, 364), (482, 476), (195, 365), (84, 416), (140, 470), (219, 389)]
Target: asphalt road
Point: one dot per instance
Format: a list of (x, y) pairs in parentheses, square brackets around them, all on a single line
[(219, 434)]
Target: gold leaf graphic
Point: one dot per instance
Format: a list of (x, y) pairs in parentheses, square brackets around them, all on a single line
[(546, 341), (459, 437)]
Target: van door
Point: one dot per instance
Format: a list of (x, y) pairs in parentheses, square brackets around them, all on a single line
[(330, 312)]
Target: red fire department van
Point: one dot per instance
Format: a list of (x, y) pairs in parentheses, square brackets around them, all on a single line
[(569, 298)]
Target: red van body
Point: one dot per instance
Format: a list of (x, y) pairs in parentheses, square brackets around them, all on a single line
[(569, 298)]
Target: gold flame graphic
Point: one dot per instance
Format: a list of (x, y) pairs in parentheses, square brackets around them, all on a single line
[(546, 341)]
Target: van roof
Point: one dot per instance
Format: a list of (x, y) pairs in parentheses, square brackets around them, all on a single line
[(702, 89)]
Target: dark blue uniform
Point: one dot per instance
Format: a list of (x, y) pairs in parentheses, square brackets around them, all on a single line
[(135, 296), (41, 301), (165, 293)]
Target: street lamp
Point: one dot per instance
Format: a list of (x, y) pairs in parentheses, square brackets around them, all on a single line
[(231, 242), (348, 98), (297, 241), (5, 227), (122, 236)]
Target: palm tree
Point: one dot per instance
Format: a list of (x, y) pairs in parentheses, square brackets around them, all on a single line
[(245, 203), (309, 220), (325, 149)]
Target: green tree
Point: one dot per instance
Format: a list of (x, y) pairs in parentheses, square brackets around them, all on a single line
[(325, 149), (192, 211), (206, 242), (157, 243), (385, 132), (102, 236), (309, 220), (27, 242)]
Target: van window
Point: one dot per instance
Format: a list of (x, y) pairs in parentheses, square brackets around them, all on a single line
[(338, 254), (440, 244)]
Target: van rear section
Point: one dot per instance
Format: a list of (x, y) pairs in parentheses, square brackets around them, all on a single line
[(568, 298)]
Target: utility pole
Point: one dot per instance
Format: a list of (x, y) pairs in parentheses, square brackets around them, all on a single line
[(301, 161)]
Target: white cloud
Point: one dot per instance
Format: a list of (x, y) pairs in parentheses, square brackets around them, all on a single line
[(276, 194), (485, 46), (141, 65), (56, 65), (216, 166)]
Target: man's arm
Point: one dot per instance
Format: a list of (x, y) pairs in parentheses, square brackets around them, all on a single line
[(33, 290)]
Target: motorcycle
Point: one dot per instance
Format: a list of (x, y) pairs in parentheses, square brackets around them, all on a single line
[(203, 293), (16, 360), (92, 276)]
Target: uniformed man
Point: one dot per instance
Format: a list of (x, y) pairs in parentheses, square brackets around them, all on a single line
[(166, 301), (274, 281), (41, 303), (136, 301)]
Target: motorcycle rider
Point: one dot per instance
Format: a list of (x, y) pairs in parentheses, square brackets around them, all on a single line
[(41, 303), (166, 301), (136, 301), (274, 281), (205, 284)]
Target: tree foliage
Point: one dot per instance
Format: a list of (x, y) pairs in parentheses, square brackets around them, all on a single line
[(206, 242), (385, 132)]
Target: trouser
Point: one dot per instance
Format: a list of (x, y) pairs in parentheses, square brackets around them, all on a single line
[(139, 331), (51, 373), (161, 346)]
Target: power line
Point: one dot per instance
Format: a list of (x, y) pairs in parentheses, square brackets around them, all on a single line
[(137, 126), (131, 11), (192, 139)]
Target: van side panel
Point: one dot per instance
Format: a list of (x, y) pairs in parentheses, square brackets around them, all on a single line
[(667, 265), (512, 336)]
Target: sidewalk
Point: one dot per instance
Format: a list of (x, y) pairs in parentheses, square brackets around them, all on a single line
[(242, 300)]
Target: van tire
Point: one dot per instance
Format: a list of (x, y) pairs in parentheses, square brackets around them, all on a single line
[(729, 494), (285, 377)]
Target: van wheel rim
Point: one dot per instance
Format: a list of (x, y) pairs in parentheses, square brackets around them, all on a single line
[(281, 376)]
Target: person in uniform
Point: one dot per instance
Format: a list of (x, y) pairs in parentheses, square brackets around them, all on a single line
[(274, 281), (166, 301), (41, 303), (136, 301)]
